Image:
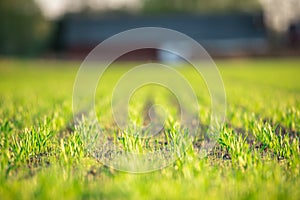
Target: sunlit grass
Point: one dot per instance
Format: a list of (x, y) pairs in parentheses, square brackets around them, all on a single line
[(43, 153)]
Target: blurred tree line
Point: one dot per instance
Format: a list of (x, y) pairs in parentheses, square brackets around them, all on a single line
[(23, 29), (196, 6)]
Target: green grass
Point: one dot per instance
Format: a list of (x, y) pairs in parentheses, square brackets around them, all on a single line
[(43, 154)]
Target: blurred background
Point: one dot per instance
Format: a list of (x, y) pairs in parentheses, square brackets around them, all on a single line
[(69, 29)]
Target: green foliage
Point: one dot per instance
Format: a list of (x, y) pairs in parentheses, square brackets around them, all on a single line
[(23, 30), (196, 6)]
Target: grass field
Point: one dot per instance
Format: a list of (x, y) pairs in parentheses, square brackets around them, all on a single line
[(257, 156)]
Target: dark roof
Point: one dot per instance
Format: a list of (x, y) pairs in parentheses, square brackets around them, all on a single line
[(90, 30)]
